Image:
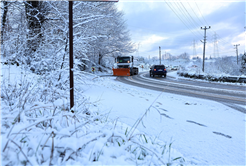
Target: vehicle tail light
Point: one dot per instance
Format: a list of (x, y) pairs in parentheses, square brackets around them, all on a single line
[(154, 69), (165, 69)]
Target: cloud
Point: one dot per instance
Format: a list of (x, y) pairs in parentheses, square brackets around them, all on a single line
[(204, 8), (155, 24), (148, 42)]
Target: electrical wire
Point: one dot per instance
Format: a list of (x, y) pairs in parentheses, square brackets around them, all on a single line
[(220, 40), (180, 18), (195, 13), (184, 16), (207, 22), (201, 13), (189, 13)]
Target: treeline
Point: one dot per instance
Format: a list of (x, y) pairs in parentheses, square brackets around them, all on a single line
[(165, 56)]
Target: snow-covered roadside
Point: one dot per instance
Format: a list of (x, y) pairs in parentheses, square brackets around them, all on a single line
[(41, 130), (203, 131)]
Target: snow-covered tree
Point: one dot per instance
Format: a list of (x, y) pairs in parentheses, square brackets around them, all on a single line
[(102, 32), (243, 63), (184, 55), (41, 36)]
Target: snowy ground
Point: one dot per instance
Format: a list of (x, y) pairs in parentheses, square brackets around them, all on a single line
[(202, 131), (205, 132)]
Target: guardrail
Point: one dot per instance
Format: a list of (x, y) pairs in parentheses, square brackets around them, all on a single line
[(212, 78)]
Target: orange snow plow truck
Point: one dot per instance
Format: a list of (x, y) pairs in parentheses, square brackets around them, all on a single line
[(125, 66)]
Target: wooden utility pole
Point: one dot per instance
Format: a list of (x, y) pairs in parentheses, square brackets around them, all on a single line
[(204, 42), (71, 54)]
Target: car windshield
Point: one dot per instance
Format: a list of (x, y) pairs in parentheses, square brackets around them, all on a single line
[(159, 67), (123, 59)]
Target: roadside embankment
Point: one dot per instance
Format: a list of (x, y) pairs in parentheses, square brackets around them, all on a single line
[(239, 79)]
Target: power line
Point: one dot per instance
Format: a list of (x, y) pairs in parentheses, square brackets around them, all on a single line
[(186, 18), (190, 19), (183, 12), (195, 14), (204, 21), (201, 13), (207, 24), (180, 18), (189, 14)]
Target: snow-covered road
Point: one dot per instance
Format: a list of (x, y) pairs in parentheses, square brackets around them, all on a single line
[(229, 94)]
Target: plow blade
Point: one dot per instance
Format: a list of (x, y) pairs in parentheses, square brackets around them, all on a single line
[(121, 72)]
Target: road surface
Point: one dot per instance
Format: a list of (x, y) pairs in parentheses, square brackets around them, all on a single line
[(233, 96)]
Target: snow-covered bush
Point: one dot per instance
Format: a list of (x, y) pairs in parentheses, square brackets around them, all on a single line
[(227, 65), (224, 66)]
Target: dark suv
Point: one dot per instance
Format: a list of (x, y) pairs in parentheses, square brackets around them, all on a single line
[(159, 70)]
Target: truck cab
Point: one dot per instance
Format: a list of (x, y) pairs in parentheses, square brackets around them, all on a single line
[(125, 66), (124, 61)]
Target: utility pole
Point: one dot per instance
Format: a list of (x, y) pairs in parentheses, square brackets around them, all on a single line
[(237, 51), (71, 54), (160, 54), (204, 42)]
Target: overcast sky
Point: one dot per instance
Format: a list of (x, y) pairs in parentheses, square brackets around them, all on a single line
[(174, 26)]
